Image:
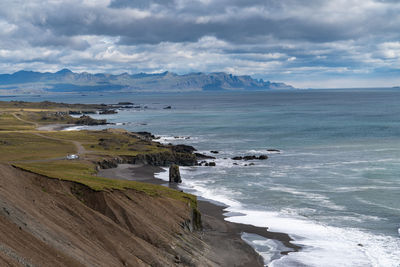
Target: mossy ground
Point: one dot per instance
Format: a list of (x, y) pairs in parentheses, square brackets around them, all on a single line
[(24, 146), (110, 142), (43, 152)]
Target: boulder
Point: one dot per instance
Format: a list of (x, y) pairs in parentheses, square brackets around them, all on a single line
[(214, 151), (212, 164), (202, 156), (108, 111), (183, 149), (251, 157), (174, 174), (86, 120)]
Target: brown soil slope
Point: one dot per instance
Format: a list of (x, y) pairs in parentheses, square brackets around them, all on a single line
[(48, 222)]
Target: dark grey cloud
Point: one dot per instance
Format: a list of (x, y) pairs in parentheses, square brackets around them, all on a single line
[(285, 38)]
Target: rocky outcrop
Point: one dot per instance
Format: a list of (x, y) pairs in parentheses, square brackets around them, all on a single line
[(183, 148), (202, 156), (87, 120), (174, 174), (108, 111), (146, 135), (109, 163), (166, 158), (252, 157)]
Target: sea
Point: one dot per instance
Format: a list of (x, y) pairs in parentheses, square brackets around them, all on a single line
[(334, 185)]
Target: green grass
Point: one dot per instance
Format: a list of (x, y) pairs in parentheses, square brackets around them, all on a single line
[(9, 123), (112, 142), (84, 172), (46, 105), (46, 117), (37, 154), (17, 146)]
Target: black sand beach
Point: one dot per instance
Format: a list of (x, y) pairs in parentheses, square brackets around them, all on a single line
[(223, 237)]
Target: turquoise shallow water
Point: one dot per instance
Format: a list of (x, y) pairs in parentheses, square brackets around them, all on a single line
[(334, 187)]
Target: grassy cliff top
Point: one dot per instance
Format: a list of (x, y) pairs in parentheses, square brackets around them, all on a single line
[(47, 105), (44, 152)]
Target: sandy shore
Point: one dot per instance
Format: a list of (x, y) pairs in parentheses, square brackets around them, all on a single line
[(222, 236), (55, 127)]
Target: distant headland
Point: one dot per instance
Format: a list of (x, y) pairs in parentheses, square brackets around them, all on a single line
[(66, 81)]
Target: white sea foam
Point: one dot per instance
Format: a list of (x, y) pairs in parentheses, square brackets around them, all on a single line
[(325, 245), (166, 139), (162, 175), (263, 151)]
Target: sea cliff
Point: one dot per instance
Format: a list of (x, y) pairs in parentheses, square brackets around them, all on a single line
[(55, 211)]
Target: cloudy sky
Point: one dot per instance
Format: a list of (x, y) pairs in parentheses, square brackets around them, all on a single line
[(307, 43)]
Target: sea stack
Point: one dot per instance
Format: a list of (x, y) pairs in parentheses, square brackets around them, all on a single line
[(174, 174)]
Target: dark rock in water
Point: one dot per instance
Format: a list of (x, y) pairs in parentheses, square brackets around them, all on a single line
[(202, 156), (174, 174), (108, 111), (73, 112), (252, 164), (214, 152), (273, 150), (203, 162), (235, 163), (251, 157), (89, 112), (125, 103), (168, 107), (183, 149), (212, 164)]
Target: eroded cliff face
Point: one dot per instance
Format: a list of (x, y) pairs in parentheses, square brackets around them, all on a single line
[(49, 222), (165, 158)]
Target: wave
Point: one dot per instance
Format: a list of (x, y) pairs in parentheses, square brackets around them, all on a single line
[(165, 139), (323, 245)]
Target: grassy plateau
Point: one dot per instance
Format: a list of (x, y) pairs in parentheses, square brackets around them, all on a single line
[(44, 152)]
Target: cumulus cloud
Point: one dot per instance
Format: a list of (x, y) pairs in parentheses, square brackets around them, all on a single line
[(290, 40)]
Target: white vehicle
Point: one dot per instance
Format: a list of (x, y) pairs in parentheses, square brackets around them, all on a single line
[(73, 156)]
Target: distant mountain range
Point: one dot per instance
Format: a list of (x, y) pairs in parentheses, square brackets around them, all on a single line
[(68, 81)]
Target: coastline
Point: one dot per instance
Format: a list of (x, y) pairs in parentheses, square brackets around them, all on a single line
[(223, 237)]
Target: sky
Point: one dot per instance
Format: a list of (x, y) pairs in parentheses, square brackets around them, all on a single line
[(305, 43)]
